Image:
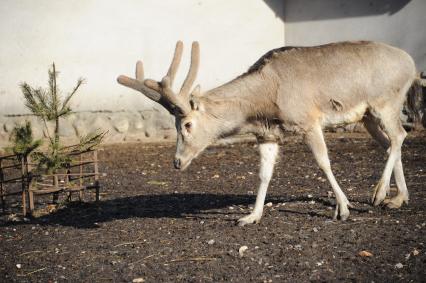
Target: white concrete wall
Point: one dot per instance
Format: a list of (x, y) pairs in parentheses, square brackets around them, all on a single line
[(100, 39), (401, 23)]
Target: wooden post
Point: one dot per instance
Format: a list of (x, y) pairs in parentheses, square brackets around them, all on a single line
[(81, 177), (95, 158), (24, 185), (31, 196), (55, 196), (56, 186), (28, 184), (3, 204)]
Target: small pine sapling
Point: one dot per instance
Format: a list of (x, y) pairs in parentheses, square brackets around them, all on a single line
[(23, 143), (48, 105)]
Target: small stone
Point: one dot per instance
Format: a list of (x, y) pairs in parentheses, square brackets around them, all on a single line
[(269, 204), (315, 229), (242, 250), (319, 263), (210, 242), (415, 252), (310, 196), (138, 280), (365, 254), (19, 266), (399, 265)]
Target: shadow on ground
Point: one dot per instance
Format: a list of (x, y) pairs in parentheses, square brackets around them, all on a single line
[(91, 214)]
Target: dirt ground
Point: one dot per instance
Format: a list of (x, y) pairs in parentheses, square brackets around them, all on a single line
[(157, 224)]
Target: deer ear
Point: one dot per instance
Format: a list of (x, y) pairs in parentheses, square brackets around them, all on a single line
[(194, 102), (196, 91), (194, 99)]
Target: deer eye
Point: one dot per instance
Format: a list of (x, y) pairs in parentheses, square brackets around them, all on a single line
[(188, 126)]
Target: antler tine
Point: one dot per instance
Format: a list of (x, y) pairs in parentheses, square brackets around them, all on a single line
[(175, 62), (139, 74), (193, 69), (138, 84)]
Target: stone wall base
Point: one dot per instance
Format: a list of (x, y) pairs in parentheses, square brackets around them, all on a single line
[(147, 125)]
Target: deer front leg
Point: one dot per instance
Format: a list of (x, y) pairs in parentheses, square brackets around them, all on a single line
[(268, 154), (315, 140)]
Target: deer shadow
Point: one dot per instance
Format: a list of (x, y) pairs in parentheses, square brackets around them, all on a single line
[(88, 215)]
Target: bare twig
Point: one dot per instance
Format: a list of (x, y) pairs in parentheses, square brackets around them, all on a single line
[(30, 252), (32, 272), (202, 258), (127, 243)]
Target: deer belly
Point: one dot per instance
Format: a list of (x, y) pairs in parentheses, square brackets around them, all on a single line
[(352, 115)]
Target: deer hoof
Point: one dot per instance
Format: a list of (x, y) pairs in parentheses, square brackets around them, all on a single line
[(249, 219), (379, 194), (396, 202), (342, 212)]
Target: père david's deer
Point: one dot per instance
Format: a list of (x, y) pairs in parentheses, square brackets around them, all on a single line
[(306, 88)]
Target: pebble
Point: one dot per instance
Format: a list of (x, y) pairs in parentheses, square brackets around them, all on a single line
[(242, 249), (211, 242), (19, 266), (415, 252), (315, 229), (269, 204), (298, 247), (399, 265), (138, 280)]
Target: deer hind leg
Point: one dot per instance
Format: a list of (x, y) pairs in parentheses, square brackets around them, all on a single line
[(315, 140), (268, 154), (391, 141)]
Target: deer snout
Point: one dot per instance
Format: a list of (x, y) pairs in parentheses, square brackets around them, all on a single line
[(177, 163)]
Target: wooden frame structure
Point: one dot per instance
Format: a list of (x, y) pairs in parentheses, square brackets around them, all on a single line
[(79, 175)]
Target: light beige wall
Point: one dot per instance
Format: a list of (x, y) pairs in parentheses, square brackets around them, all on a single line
[(401, 23), (99, 39)]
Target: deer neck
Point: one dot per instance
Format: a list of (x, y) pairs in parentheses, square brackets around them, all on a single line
[(240, 102)]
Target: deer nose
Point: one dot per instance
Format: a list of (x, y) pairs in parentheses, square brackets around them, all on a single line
[(177, 163)]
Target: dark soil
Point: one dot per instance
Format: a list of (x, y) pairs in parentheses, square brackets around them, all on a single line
[(162, 225)]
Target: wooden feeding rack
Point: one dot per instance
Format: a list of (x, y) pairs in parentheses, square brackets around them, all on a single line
[(13, 179), (18, 176), (79, 175)]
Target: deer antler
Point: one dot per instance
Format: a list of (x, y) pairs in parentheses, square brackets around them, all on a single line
[(161, 92), (193, 69)]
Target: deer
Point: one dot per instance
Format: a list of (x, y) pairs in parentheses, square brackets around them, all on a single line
[(300, 88)]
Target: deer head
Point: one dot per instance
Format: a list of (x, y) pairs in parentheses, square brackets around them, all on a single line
[(190, 119)]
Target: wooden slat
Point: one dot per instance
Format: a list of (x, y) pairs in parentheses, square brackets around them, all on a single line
[(45, 191)]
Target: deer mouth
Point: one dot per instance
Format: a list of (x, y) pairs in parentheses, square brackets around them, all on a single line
[(181, 165)]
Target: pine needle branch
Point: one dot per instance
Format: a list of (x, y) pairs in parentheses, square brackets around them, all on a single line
[(65, 108)]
